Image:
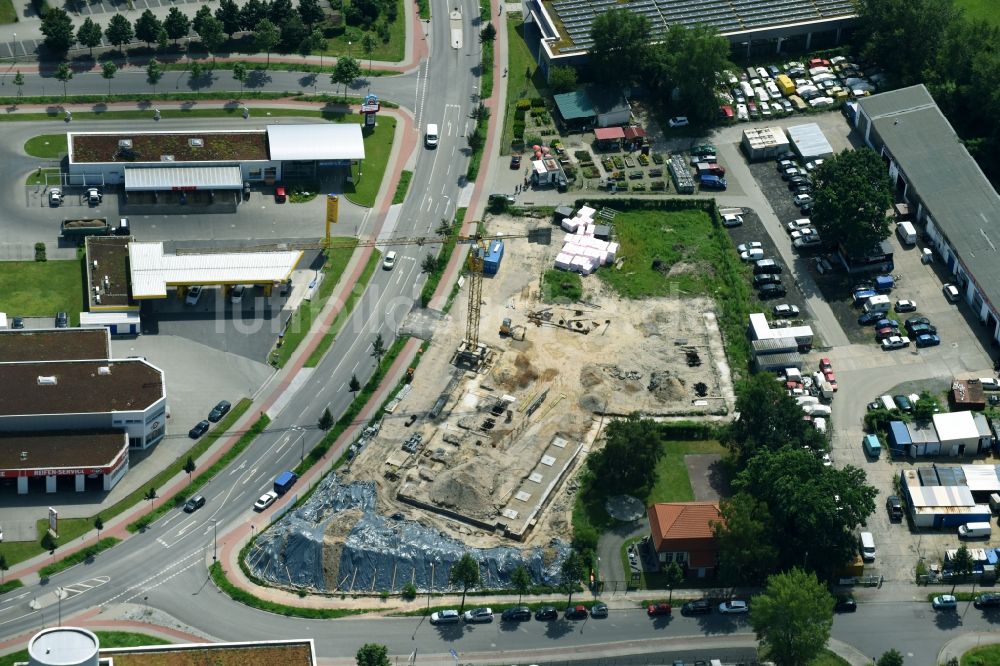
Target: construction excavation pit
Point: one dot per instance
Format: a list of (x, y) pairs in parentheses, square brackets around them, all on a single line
[(490, 458)]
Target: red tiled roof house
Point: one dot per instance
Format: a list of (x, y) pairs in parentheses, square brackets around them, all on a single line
[(682, 533)]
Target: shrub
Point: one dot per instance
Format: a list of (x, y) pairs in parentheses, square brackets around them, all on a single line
[(40, 252), (518, 130), (523, 104), (538, 102), (533, 140), (582, 155), (519, 114), (409, 591)]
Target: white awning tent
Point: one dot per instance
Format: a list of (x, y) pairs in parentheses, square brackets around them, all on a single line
[(319, 142), (149, 179), (152, 271)]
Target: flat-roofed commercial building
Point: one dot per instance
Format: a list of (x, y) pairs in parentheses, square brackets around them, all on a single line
[(75, 412)]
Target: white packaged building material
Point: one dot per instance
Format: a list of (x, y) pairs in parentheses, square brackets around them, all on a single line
[(809, 141)]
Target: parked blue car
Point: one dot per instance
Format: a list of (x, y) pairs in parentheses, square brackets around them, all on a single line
[(869, 318), (928, 340), (862, 295), (882, 323)]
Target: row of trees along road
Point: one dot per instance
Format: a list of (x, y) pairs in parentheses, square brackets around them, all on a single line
[(465, 574), (682, 59), (275, 24), (788, 510), (958, 59)]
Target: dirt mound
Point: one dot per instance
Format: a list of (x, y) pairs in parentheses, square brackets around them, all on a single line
[(591, 375), (526, 373), (463, 489)]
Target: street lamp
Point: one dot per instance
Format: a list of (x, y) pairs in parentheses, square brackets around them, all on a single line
[(59, 597), (15, 47), (215, 539)]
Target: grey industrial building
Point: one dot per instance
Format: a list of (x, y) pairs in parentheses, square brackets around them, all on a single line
[(558, 31), (75, 412), (955, 205)]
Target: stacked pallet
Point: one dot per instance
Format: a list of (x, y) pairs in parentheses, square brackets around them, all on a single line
[(581, 251)]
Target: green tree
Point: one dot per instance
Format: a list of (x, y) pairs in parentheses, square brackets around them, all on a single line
[(147, 27), (229, 13), (19, 82), (464, 573), (149, 496), (189, 467), (814, 509), (108, 70), (162, 39), (378, 348), (429, 264), (98, 525), (627, 462), (280, 11), (203, 14), (373, 654), (3, 567), (154, 72), (89, 34), (345, 72), (119, 31), (368, 46), (562, 79), (177, 24), (212, 36), (196, 70), (925, 407), (621, 38), (853, 193), (311, 12), (475, 139), (488, 34), (57, 26), (885, 31), (265, 37), (962, 565), (793, 617), (317, 42), (64, 74), (240, 74), (326, 420), (747, 552), (521, 580), (769, 419), (698, 53), (891, 658), (673, 576), (354, 385), (293, 33), (252, 13), (571, 573)]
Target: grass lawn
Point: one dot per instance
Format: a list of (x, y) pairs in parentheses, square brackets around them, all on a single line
[(378, 145), (38, 177), (49, 146), (672, 238), (108, 639), (520, 79), (391, 51), (560, 285), (302, 320), (352, 298), (986, 655), (7, 12), (672, 482), (42, 288), (402, 187), (980, 10)]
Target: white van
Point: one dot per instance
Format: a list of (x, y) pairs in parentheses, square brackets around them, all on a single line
[(878, 303), (907, 234), (887, 402), (867, 547), (817, 410), (974, 531), (431, 136), (807, 400)]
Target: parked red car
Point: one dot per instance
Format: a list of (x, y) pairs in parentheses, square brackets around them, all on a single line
[(658, 609)]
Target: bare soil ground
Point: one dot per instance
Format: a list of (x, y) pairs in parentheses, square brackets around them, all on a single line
[(660, 357)]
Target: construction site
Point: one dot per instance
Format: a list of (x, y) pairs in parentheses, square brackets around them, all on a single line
[(486, 455)]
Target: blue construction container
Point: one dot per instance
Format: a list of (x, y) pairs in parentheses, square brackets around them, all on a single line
[(494, 253), (898, 437), (884, 283)]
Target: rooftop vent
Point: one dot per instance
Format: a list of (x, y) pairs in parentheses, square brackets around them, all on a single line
[(196, 143), (124, 143), (166, 158), (24, 455), (104, 370), (47, 380)]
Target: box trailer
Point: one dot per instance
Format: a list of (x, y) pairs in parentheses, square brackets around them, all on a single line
[(878, 303)]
